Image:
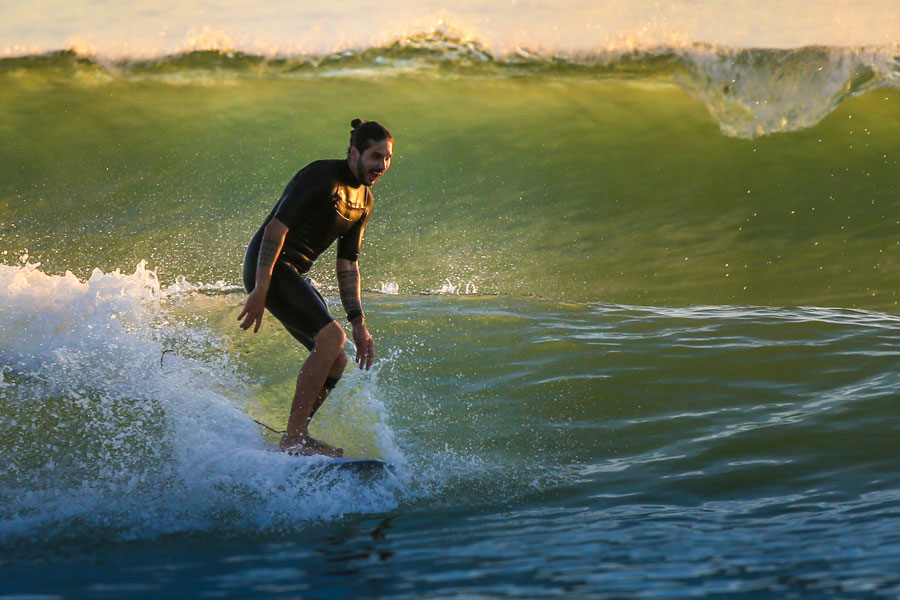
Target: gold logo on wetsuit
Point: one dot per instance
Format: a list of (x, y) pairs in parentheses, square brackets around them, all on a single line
[(350, 204)]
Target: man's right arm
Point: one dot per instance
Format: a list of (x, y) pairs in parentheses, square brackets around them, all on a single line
[(270, 248)]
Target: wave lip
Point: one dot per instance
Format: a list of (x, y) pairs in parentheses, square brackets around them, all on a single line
[(758, 92), (749, 92)]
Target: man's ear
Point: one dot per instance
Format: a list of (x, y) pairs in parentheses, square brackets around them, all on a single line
[(353, 153)]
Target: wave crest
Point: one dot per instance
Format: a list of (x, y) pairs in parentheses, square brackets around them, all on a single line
[(749, 92)]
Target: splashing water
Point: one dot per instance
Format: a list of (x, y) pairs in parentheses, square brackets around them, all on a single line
[(99, 439)]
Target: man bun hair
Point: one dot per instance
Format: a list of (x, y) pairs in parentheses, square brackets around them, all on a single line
[(364, 134)]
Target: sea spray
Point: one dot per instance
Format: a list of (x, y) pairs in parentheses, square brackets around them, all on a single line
[(100, 441)]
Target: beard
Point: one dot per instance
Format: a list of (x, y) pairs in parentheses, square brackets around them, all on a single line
[(365, 174)]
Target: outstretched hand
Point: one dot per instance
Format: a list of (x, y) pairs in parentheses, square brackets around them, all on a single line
[(254, 309), (365, 346)]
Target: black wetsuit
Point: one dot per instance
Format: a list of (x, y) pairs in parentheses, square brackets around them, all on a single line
[(322, 203)]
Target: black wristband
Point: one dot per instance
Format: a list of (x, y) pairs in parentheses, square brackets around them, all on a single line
[(354, 314)]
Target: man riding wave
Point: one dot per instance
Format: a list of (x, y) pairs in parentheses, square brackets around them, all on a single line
[(325, 201)]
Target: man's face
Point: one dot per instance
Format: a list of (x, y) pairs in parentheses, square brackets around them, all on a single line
[(371, 164)]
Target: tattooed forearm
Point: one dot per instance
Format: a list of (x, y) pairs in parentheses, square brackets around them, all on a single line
[(268, 252), (348, 284)]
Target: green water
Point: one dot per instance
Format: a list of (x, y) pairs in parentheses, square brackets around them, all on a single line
[(556, 186)]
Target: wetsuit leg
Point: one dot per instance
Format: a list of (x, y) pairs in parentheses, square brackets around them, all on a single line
[(292, 298)]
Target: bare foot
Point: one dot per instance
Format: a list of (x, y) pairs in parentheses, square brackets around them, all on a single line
[(309, 446)]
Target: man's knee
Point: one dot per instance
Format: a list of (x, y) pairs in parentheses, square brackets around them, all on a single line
[(330, 340)]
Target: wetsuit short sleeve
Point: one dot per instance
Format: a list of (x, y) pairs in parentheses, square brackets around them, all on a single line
[(306, 185), (350, 242)]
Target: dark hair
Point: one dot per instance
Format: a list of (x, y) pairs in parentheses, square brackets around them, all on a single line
[(364, 134)]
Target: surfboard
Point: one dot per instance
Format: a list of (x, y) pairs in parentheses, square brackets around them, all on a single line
[(370, 467), (363, 466)]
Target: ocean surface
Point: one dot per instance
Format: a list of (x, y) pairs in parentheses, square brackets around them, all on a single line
[(633, 280)]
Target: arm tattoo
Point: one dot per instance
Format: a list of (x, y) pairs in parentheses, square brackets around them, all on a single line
[(348, 284), (268, 252)]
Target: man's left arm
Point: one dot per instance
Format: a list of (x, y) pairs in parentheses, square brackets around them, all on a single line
[(349, 286)]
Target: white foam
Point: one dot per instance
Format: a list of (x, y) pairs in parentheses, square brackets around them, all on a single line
[(457, 288), (183, 286), (104, 438), (390, 288)]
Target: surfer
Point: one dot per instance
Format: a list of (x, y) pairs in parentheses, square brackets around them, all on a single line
[(325, 201)]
